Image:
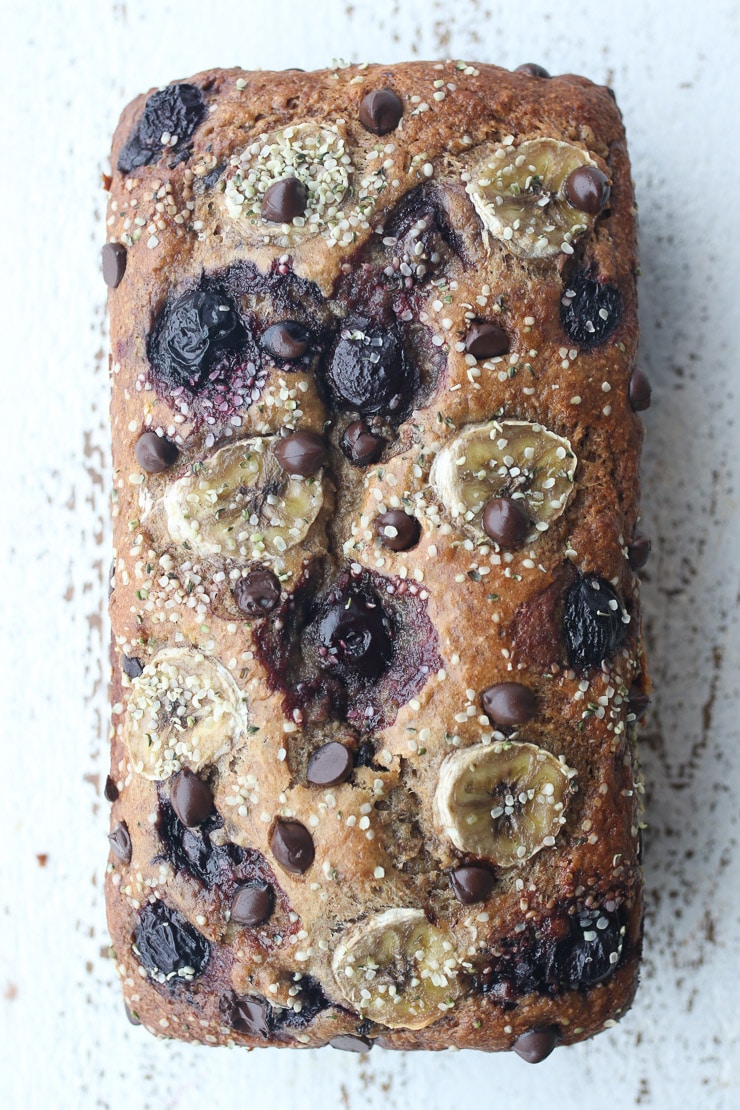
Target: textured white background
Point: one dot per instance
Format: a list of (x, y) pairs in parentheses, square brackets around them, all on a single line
[(66, 71)]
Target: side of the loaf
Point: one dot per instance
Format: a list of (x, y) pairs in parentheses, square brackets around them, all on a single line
[(376, 662)]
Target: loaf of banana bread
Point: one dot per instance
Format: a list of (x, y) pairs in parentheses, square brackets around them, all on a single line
[(376, 654)]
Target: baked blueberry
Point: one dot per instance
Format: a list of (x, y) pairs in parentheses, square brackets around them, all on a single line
[(593, 621), (354, 633), (166, 942), (369, 372), (170, 118), (589, 310), (192, 334)]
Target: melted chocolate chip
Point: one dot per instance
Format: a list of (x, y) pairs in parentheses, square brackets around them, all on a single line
[(252, 903), (155, 453), (354, 634), (348, 1042), (509, 703), (536, 1045), (249, 1016), (397, 530), (369, 372), (292, 845), (638, 701), (640, 391), (302, 453), (131, 666), (381, 111), (287, 340), (120, 842), (330, 764), (110, 790), (168, 943), (505, 522), (113, 258), (191, 799), (638, 551), (471, 884), (284, 200), (532, 70), (258, 593), (486, 340), (360, 445), (592, 622), (587, 189)]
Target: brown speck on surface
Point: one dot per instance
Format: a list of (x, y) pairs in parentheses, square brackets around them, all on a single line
[(42, 858), (11, 992)]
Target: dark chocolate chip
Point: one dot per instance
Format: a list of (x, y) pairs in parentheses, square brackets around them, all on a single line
[(397, 530), (292, 845), (471, 884), (360, 445), (381, 111), (132, 1017), (348, 1042), (110, 790), (536, 1045), (284, 200), (638, 701), (587, 189), (486, 340), (302, 453), (638, 551), (155, 453), (287, 340), (120, 842), (640, 391), (509, 703), (131, 666), (249, 1016), (330, 764), (113, 258), (505, 522), (532, 70), (252, 903), (258, 593), (191, 798)]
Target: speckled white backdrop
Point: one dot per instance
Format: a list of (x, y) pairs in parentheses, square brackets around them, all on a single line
[(66, 71)]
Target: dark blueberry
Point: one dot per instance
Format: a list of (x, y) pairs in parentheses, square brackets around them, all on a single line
[(360, 445), (313, 1001), (587, 189), (110, 790), (120, 842), (638, 701), (354, 633), (381, 111), (192, 852), (249, 1015), (589, 310), (420, 235), (301, 454), (640, 391), (348, 1042), (537, 1044), (509, 703), (593, 622), (532, 70), (505, 521), (167, 942), (252, 903), (175, 111), (258, 593), (292, 845), (131, 666), (471, 884), (284, 200), (192, 334), (369, 372), (397, 530), (155, 453), (287, 340), (589, 953), (486, 340), (191, 799), (330, 764), (638, 551), (113, 258)]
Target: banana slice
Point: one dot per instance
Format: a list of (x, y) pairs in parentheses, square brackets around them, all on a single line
[(184, 710), (397, 969), (502, 801), (520, 195), (510, 458), (241, 502)]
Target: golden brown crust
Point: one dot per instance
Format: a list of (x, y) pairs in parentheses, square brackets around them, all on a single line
[(484, 617)]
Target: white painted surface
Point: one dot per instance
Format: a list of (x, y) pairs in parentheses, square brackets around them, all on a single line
[(67, 70)]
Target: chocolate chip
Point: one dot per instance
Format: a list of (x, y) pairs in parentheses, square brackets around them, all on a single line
[(532, 70), (348, 1042), (331, 764), (287, 340), (191, 798), (155, 453), (587, 189), (638, 551), (284, 200), (640, 391), (509, 703), (131, 666), (258, 593), (360, 445), (638, 701), (250, 1016), (292, 845), (132, 1017), (471, 884), (536, 1045), (505, 522), (397, 530), (486, 340), (381, 111), (113, 257), (252, 903), (302, 453), (120, 842), (110, 790)]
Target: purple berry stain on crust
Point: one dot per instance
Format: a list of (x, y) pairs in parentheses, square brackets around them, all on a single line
[(168, 946)]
